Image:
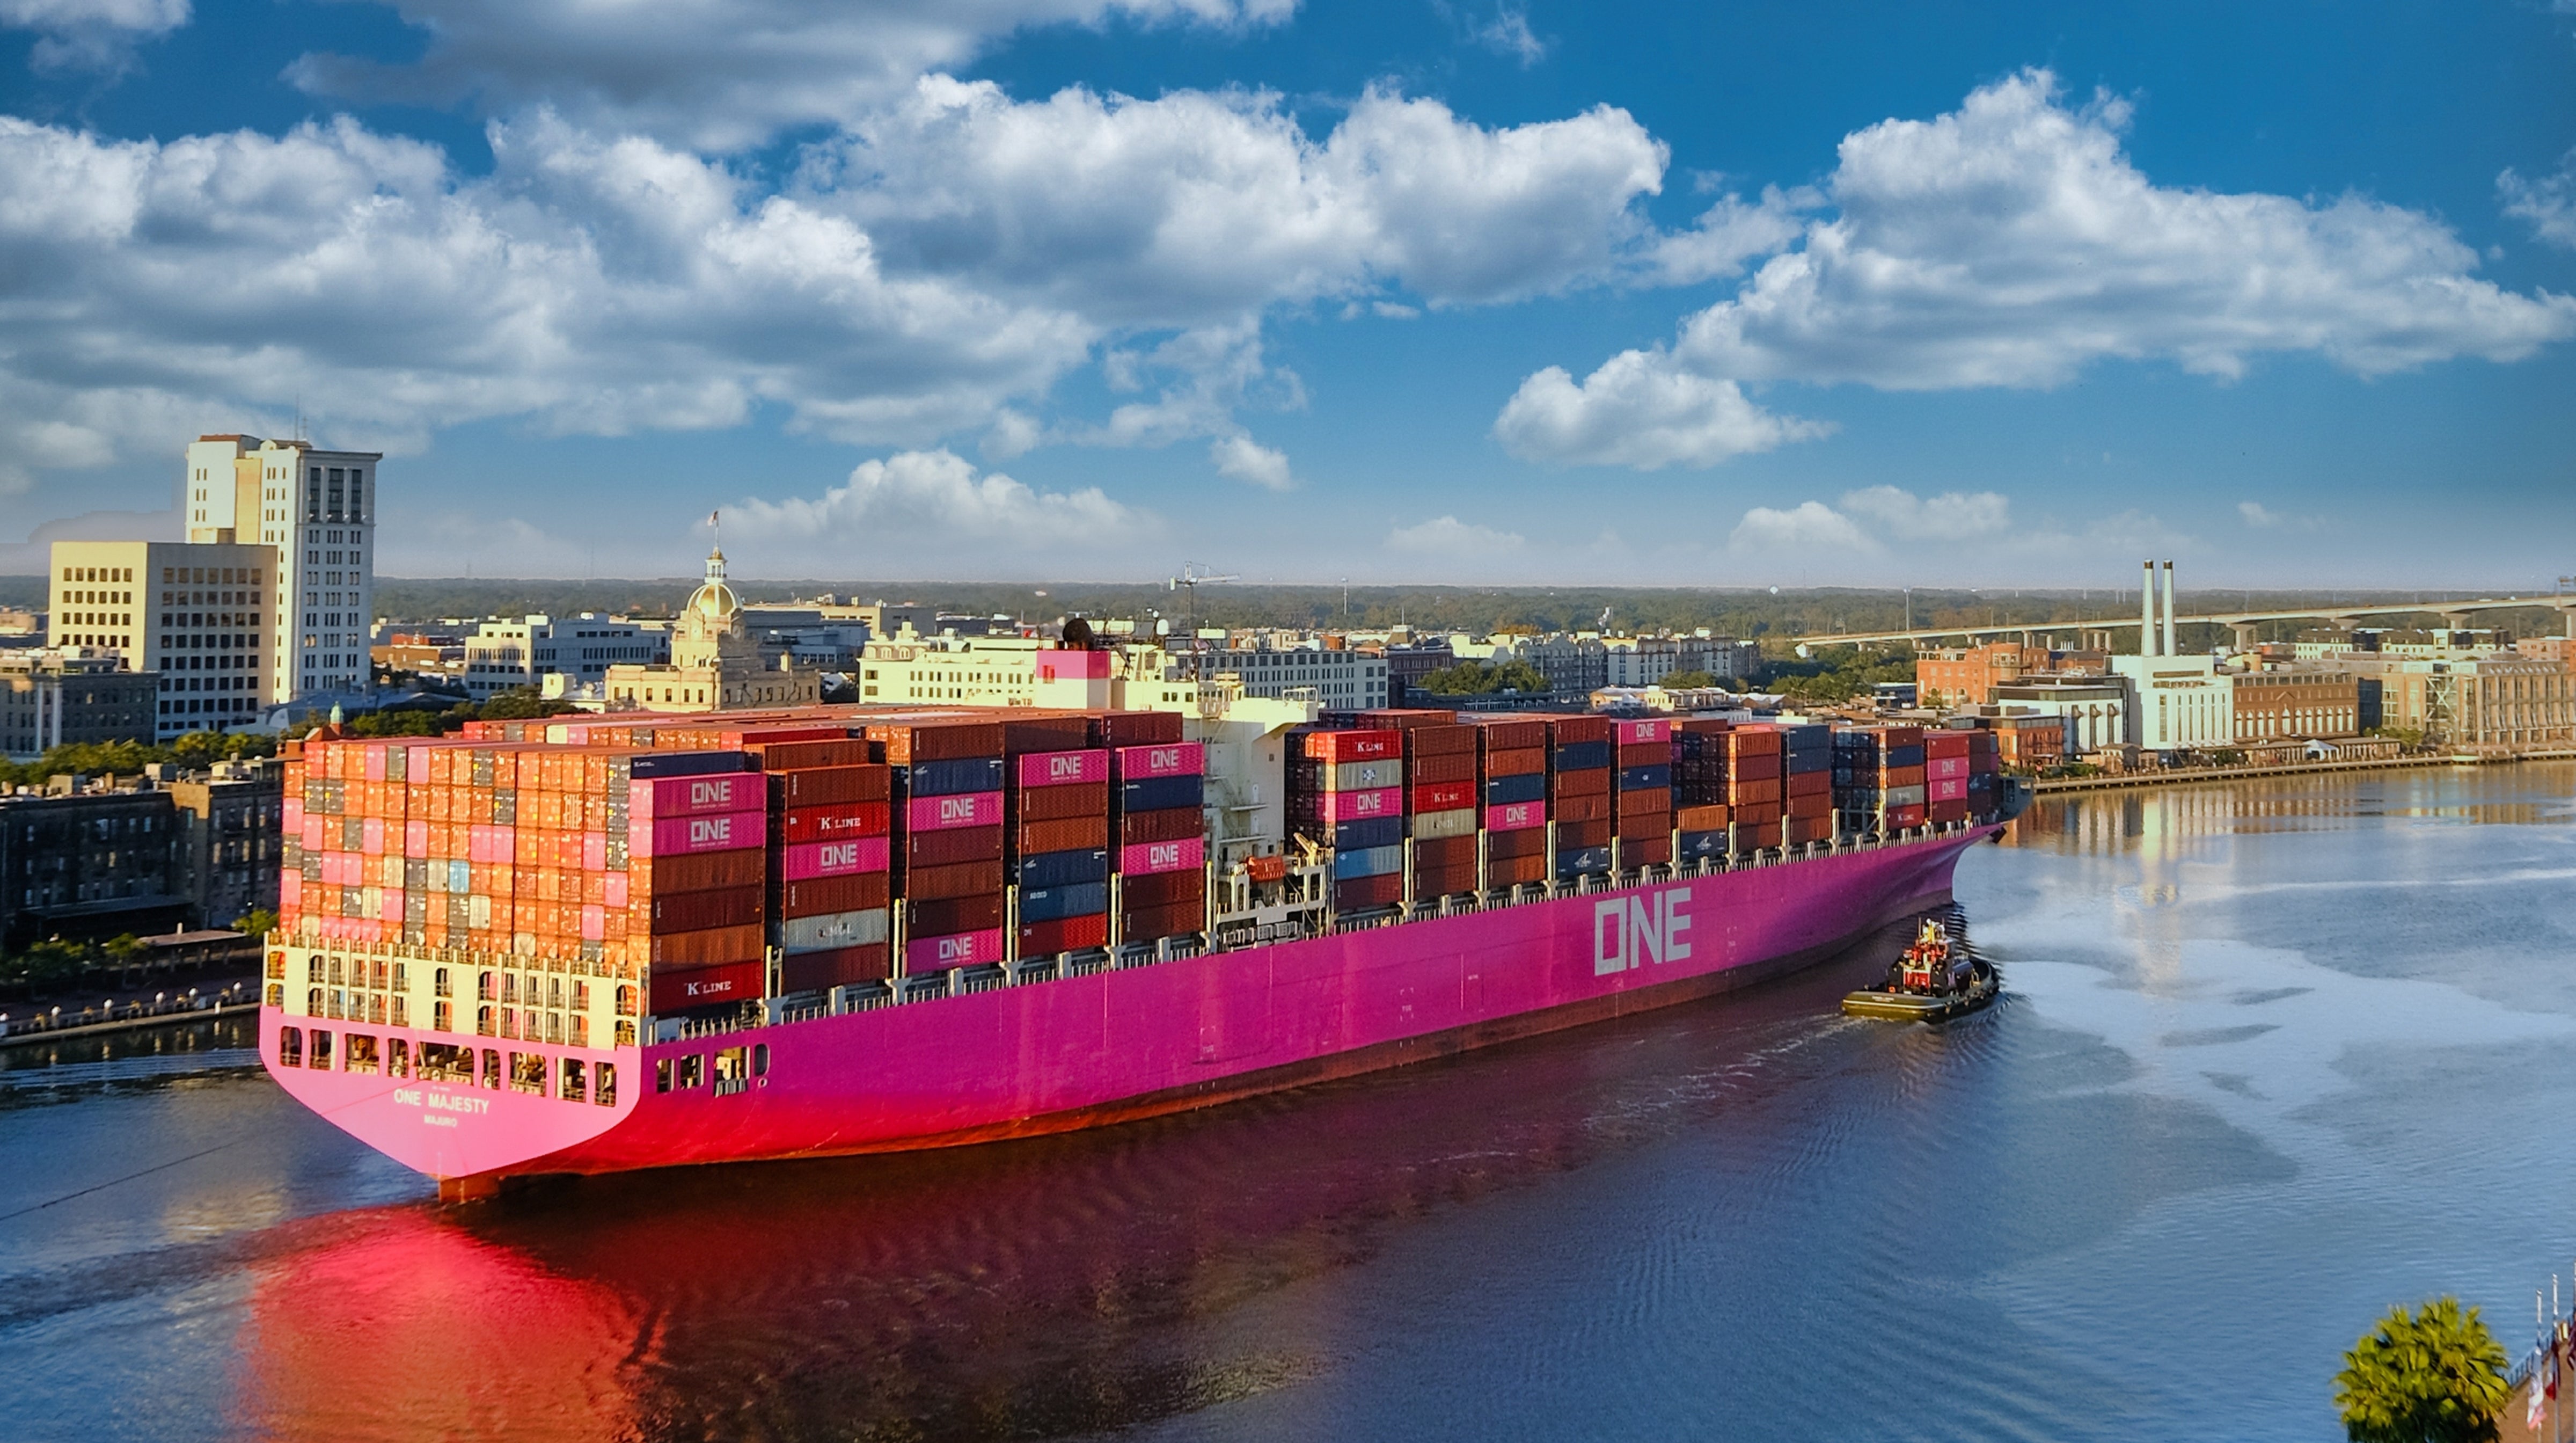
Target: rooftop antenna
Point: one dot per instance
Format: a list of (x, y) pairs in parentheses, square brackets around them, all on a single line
[(1192, 577)]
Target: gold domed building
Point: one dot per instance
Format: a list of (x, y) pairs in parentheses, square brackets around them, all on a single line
[(715, 665)]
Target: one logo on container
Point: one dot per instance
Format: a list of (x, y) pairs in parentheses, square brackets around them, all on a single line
[(711, 794), (705, 831), (1630, 932)]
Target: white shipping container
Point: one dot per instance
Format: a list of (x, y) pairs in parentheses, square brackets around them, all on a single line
[(833, 930), (1367, 776), (1429, 825), (1906, 796)]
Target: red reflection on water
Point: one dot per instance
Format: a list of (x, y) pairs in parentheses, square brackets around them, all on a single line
[(412, 1327)]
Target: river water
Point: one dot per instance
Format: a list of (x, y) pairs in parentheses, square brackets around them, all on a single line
[(2275, 1055)]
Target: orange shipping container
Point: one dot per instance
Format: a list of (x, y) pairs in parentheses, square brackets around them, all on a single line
[(1594, 808), (1519, 762), (720, 944)]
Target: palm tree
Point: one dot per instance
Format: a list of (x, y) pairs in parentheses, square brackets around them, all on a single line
[(2429, 1376)]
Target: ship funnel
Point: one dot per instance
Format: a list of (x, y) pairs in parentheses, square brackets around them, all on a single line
[(2147, 609)]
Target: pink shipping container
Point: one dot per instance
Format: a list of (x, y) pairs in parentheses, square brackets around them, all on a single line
[(962, 949), (1148, 857), (687, 836), (1515, 816), (1063, 769), (371, 836), (1360, 806), (1642, 733), (290, 817), (1936, 768), (290, 889), (1949, 789), (695, 796), (806, 861), (965, 809), (1175, 759)]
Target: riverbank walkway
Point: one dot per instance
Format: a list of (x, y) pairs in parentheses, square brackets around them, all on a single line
[(2179, 776), (45, 1021)]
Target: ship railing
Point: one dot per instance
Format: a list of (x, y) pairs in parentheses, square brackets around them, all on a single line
[(988, 978)]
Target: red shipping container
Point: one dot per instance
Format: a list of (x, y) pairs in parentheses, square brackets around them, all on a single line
[(1511, 735), (941, 849), (906, 743), (1658, 825), (925, 955), (717, 944), (1444, 881), (1651, 851), (1590, 782), (1754, 814), (1138, 728), (1187, 854), (963, 809), (964, 879), (1053, 804), (1024, 734), (1444, 796), (1515, 871), (1353, 746), (1947, 743), (1531, 842), (1594, 808), (677, 989), (657, 876), (1905, 818), (1810, 784), (1064, 934), (1758, 835), (1574, 836), (825, 896), (789, 756), (1077, 834), (1519, 762), (1797, 831), (1564, 731), (1160, 889), (1179, 920), (834, 823), (1444, 851), (1442, 767), (1746, 791), (824, 786), (956, 914), (683, 912), (823, 971), (1641, 804), (1353, 893), (1706, 817)]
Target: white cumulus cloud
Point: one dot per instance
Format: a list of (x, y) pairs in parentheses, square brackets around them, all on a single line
[(2548, 203), (720, 74), (2012, 243), (1449, 538), (1639, 410), (920, 506), (1809, 526), (90, 34), (1950, 516), (1245, 459)]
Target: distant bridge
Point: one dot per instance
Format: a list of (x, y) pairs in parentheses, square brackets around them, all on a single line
[(2454, 614)]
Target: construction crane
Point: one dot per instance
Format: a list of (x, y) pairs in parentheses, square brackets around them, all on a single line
[(1192, 577)]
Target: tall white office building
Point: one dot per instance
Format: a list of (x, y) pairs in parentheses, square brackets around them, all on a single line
[(317, 509)]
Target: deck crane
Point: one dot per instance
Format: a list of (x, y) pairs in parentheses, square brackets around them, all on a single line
[(1192, 577)]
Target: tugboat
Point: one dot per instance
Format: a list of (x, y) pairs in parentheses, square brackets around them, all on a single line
[(1937, 978)]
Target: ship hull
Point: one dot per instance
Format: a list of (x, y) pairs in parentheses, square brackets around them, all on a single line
[(1078, 1052)]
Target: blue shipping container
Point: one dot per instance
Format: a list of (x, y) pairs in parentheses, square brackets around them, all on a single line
[(1375, 832), (1656, 778), (1589, 859), (1368, 862), (1079, 899), (1583, 756), (1503, 791), (1060, 869), (1155, 794), (686, 764), (953, 778)]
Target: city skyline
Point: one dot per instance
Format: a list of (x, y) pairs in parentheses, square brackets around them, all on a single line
[(1516, 295)]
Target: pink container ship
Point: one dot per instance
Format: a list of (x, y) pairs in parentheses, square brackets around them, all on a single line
[(607, 943)]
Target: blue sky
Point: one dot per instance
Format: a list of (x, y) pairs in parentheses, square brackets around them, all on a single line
[(1982, 294)]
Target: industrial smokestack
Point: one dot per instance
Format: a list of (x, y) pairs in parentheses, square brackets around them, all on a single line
[(2169, 613), (2147, 610)]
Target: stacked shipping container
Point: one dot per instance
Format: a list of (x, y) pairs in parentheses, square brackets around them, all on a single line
[(1645, 763), (1580, 794), (945, 795), (1162, 826), (1347, 787), (1513, 771), (831, 859)]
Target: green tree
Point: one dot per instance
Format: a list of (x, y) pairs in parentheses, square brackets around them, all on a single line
[(258, 922), (2433, 1375), (1476, 678)]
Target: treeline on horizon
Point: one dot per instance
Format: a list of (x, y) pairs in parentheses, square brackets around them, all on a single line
[(1746, 612)]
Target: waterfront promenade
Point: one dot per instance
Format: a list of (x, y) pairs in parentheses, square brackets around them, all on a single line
[(2178, 776)]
